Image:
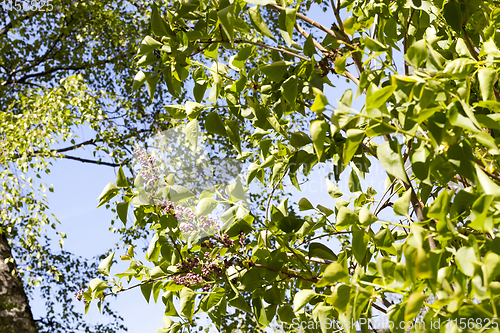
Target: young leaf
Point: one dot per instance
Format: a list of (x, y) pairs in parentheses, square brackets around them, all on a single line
[(321, 251), (302, 298), (258, 22), (105, 265), (318, 131), (320, 101), (413, 306), (333, 190), (226, 19), (402, 204), (487, 78), (214, 124), (157, 22), (121, 180), (345, 218), (205, 206), (186, 305), (109, 192), (333, 274), (354, 138), (390, 157)]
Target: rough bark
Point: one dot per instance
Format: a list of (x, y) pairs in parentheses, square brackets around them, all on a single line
[(15, 312)]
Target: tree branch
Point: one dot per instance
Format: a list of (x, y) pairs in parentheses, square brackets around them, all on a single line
[(241, 41), (320, 47), (22, 18), (84, 160)]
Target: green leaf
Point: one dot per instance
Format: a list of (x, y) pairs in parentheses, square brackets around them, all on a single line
[(299, 139), (417, 53), (121, 209), (389, 155), (176, 111), (465, 258), (233, 133), (139, 80), (274, 71), (374, 45), (333, 189), (402, 204), (459, 68), (453, 15), (146, 290), (320, 101), (206, 205), (290, 224), (148, 44), (214, 298), (178, 193), (488, 186), (157, 23), (236, 191), (340, 63), (193, 109), (214, 124), (153, 251), (258, 22), (151, 82), (121, 180), (239, 59), (321, 251), (109, 192), (487, 78), (341, 295), (479, 215), (345, 218), (461, 156), (354, 138), (309, 48), (289, 90), (186, 305), (366, 218), (192, 132), (304, 204), (286, 22), (302, 298), (413, 306), (359, 244), (226, 19), (333, 274), (439, 207), (318, 131), (379, 97), (105, 265)]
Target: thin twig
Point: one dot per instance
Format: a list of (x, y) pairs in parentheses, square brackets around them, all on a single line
[(241, 41)]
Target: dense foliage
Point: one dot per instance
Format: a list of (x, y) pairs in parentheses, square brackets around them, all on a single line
[(426, 77)]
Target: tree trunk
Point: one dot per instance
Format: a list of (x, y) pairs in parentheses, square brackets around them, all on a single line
[(15, 311)]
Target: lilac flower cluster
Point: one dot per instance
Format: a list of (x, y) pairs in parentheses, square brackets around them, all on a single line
[(148, 172), (188, 264), (209, 268), (79, 296), (167, 206), (190, 279), (226, 242), (207, 244), (242, 239), (190, 220)]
